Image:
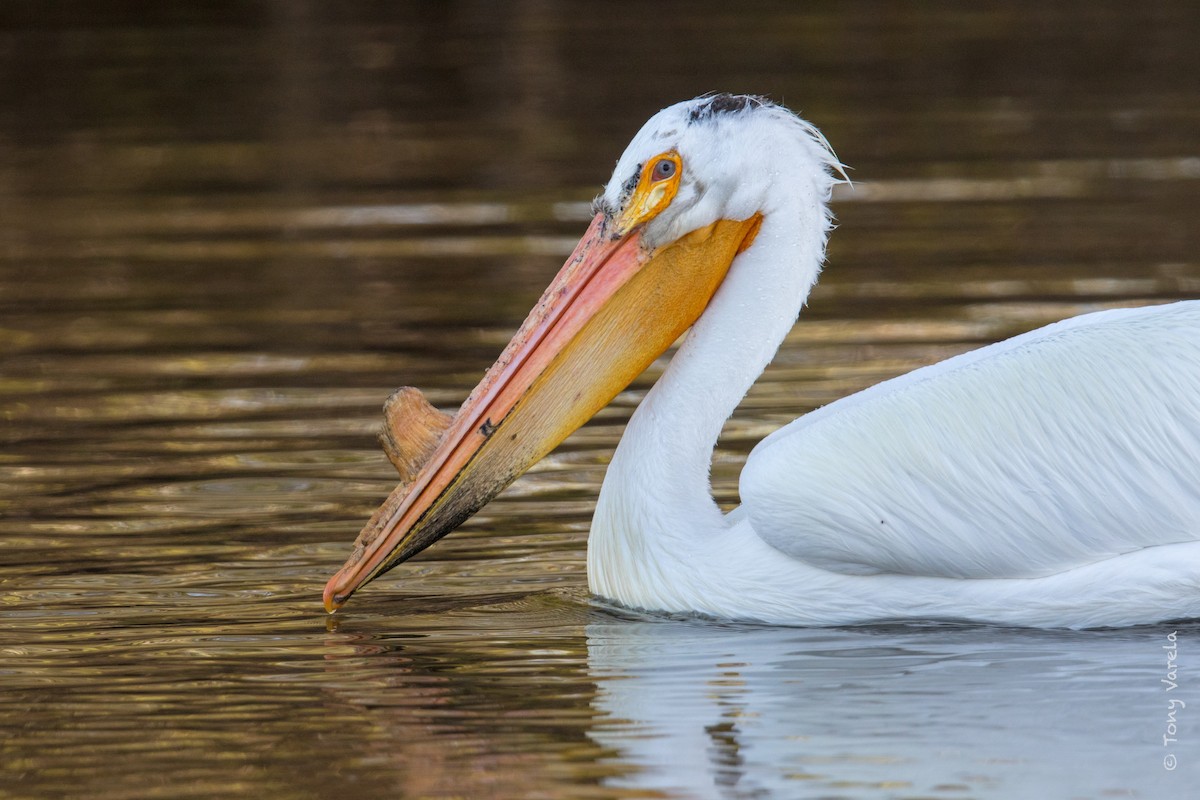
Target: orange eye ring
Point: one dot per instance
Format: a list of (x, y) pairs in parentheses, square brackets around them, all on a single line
[(655, 190)]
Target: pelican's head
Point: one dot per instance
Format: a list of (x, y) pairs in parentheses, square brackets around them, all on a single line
[(686, 197), (716, 157)]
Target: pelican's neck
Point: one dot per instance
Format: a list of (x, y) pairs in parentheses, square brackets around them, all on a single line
[(656, 493)]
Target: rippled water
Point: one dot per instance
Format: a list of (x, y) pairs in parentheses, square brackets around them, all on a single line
[(227, 232)]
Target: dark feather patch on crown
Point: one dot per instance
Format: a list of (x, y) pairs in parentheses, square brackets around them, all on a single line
[(724, 103)]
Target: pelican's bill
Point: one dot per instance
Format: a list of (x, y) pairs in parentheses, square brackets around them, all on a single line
[(616, 305)]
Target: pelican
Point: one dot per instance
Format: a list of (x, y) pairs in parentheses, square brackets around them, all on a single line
[(1050, 480)]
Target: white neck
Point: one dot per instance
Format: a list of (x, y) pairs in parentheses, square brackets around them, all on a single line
[(656, 501)]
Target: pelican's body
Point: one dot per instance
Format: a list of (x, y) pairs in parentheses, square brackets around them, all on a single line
[(987, 487), (1050, 480)]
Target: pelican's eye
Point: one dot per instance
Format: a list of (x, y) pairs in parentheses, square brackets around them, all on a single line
[(656, 185)]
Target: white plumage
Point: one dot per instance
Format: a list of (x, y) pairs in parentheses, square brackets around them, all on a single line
[(1049, 480)]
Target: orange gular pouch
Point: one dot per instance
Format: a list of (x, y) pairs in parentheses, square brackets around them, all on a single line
[(613, 308)]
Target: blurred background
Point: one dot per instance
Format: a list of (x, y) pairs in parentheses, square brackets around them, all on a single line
[(229, 229)]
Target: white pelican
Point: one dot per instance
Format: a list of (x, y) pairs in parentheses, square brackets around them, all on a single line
[(1049, 480)]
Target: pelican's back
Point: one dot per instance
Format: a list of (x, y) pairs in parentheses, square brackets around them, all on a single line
[(1064, 446)]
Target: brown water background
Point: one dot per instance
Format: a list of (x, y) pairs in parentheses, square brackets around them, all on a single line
[(228, 230)]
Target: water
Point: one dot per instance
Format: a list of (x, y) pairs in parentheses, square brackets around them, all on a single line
[(226, 233)]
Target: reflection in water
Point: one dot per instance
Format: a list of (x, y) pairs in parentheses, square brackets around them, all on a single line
[(620, 706), (706, 710), (228, 230), (469, 713)]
